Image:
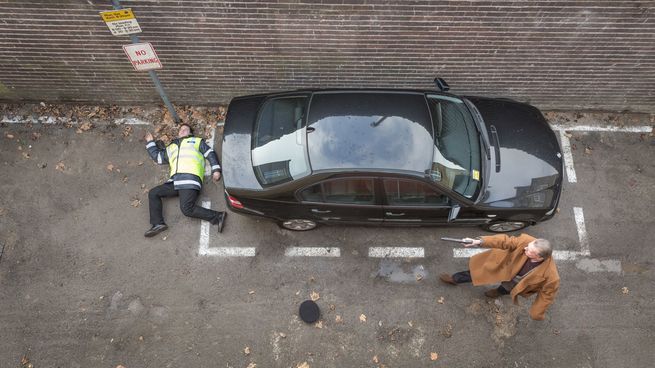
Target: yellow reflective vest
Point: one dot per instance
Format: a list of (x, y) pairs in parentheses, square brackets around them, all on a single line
[(186, 158)]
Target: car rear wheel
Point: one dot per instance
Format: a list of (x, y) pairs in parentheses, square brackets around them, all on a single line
[(505, 226), (298, 224)]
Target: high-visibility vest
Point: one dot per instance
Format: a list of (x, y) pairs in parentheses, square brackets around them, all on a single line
[(186, 158)]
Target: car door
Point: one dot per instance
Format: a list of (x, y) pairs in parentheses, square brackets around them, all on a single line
[(410, 202), (342, 200)]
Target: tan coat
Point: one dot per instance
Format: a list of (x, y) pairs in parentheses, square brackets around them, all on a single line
[(503, 263)]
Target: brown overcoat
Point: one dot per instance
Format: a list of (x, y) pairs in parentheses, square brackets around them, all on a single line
[(504, 261)]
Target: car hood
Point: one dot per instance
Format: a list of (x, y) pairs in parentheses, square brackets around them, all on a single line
[(526, 160)]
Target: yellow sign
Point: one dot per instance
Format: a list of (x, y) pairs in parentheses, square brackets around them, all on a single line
[(116, 15), (476, 175)]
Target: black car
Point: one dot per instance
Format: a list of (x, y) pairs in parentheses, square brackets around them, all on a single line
[(390, 157)]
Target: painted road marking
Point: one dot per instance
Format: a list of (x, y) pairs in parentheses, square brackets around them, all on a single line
[(396, 252), (205, 250), (568, 157), (606, 128), (585, 250), (312, 252)]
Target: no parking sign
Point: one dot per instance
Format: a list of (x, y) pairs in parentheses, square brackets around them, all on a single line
[(142, 56)]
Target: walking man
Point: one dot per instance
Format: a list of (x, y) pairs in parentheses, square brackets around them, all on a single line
[(523, 265), (186, 157)]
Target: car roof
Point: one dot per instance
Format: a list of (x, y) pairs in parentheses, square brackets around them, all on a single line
[(369, 129)]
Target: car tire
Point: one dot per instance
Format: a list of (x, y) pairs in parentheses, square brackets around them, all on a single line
[(298, 224), (505, 226)]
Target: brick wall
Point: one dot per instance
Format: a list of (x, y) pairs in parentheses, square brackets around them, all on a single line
[(555, 54)]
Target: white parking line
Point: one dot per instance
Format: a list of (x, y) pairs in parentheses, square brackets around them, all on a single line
[(561, 255), (606, 128), (582, 231), (568, 157), (205, 250), (396, 252), (312, 252)]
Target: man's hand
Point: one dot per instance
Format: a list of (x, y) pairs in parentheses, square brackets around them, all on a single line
[(216, 176), (470, 242), (149, 137)]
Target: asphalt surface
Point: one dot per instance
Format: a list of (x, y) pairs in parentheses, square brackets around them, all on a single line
[(81, 287)]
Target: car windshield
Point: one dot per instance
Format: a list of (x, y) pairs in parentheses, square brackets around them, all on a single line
[(278, 141), (456, 159)]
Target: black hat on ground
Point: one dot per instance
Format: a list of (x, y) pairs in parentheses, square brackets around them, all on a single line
[(309, 311)]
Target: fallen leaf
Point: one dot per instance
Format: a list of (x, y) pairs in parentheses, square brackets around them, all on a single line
[(135, 203), (251, 292), (314, 296), (164, 238), (36, 136), (362, 317), (298, 292), (303, 365), (127, 131), (568, 135), (84, 127), (140, 163), (332, 307), (43, 165), (434, 356), (319, 324), (26, 155), (140, 338), (440, 300), (24, 360), (246, 350), (9, 136), (375, 359), (2, 211), (338, 319), (419, 277), (410, 323), (283, 335), (124, 179), (252, 365), (60, 166), (120, 366), (625, 290), (588, 150), (110, 167)]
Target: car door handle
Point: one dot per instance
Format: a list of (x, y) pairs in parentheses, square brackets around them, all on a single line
[(394, 214), (314, 210)]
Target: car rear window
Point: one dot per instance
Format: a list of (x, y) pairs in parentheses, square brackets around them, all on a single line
[(279, 151)]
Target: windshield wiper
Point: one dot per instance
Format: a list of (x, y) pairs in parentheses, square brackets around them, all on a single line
[(477, 118)]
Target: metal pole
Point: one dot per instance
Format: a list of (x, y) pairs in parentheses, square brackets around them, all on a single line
[(153, 75)]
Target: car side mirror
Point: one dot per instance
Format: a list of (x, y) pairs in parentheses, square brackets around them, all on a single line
[(454, 211), (441, 84)]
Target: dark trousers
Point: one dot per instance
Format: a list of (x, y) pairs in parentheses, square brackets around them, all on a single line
[(465, 276), (188, 198)]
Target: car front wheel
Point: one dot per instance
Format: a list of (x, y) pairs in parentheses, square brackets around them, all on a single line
[(298, 224), (505, 226)]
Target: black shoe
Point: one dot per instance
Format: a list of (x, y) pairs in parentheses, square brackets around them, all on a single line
[(155, 229), (447, 279), (221, 221)]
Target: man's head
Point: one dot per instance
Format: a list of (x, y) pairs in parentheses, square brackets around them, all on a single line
[(538, 250), (185, 131)]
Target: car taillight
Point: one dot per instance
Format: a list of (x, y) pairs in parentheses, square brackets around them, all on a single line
[(234, 202)]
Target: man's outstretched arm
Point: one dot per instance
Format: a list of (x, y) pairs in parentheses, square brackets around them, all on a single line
[(157, 154)]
